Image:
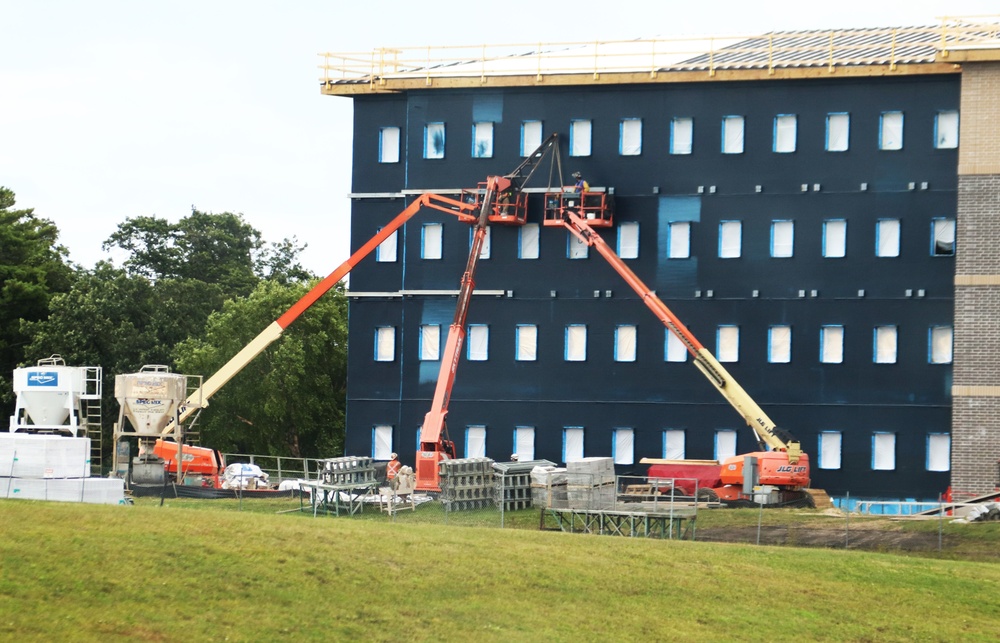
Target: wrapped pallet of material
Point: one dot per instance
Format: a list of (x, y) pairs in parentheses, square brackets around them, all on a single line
[(548, 487), (23, 455), (101, 491), (591, 484)]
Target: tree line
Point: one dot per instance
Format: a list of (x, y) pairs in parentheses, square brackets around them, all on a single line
[(188, 295)]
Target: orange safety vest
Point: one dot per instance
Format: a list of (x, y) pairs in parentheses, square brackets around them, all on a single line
[(392, 469)]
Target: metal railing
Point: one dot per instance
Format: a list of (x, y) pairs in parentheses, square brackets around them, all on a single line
[(279, 468), (819, 48)]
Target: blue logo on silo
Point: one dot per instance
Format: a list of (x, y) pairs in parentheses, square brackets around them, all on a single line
[(43, 378)]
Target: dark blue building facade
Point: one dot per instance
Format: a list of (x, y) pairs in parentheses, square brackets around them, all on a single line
[(802, 229)]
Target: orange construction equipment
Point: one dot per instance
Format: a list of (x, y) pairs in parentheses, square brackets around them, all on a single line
[(239, 361), (503, 201), (201, 461), (783, 467)]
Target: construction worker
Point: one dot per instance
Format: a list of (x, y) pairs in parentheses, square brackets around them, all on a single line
[(581, 184), (392, 468)]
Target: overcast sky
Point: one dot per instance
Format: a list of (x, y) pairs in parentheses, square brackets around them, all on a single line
[(112, 109)]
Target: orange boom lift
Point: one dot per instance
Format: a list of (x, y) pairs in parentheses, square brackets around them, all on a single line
[(781, 462)]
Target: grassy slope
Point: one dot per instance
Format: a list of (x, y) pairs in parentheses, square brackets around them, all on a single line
[(74, 572)]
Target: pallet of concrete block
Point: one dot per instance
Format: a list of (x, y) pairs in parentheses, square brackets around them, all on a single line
[(99, 491), (348, 471), (590, 483), (513, 482), (548, 487), (466, 483), (23, 455)]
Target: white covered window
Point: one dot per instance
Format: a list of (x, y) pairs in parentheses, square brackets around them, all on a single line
[(728, 343), (385, 344), (430, 342), (835, 238), (475, 441), (883, 451), (725, 444), (572, 444), (386, 251), (943, 237), (730, 239), (940, 344), (939, 452), (434, 141), (946, 130), (478, 342), (388, 145), (576, 343), (430, 240), (527, 241), (885, 344), (779, 344), (782, 238), (381, 441), (625, 343), (623, 446), (732, 134), (575, 248), (831, 344), (579, 138), (785, 130), (485, 249), (630, 143), (890, 131), (675, 350), (681, 135), (673, 444), (482, 140), (838, 131), (628, 240), (524, 443), (887, 238), (830, 449), (526, 341), (531, 136), (678, 240)]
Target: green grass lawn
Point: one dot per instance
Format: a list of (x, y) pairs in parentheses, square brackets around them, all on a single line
[(214, 570)]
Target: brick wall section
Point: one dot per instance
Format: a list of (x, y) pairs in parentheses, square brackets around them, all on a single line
[(976, 419), (979, 151), (974, 447)]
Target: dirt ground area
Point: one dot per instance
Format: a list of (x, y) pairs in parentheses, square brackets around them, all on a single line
[(864, 538)]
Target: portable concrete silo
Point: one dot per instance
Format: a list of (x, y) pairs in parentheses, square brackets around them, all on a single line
[(150, 403), (56, 399)]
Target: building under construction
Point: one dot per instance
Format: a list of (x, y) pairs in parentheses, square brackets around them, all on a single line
[(818, 207)]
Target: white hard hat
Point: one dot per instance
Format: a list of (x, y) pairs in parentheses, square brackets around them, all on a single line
[(392, 456)]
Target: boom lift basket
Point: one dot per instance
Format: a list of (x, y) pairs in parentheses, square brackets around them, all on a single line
[(596, 208), (509, 207)]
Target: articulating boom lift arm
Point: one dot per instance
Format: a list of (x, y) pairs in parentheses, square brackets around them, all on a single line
[(239, 361), (766, 431), (435, 444)]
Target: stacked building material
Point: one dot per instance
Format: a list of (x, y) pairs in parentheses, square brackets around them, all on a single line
[(590, 483), (348, 472), (53, 467), (548, 487), (513, 483), (466, 483)]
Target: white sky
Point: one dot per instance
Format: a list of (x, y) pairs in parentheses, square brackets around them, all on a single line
[(112, 109)]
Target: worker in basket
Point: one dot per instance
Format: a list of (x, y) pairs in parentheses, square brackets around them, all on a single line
[(581, 184), (392, 468)]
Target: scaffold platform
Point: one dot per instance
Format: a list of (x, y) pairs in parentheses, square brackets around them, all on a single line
[(679, 524), (334, 498)]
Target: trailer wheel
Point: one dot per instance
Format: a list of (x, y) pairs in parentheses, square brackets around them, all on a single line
[(707, 495)]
